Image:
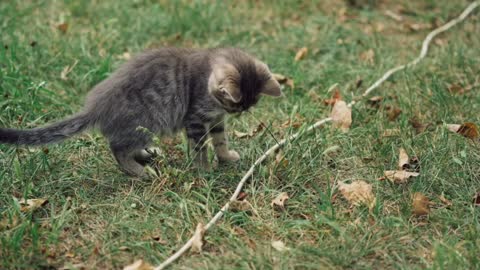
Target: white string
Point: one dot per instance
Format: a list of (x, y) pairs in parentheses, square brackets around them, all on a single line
[(272, 149)]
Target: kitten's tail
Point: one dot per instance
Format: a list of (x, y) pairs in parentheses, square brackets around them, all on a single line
[(49, 134)]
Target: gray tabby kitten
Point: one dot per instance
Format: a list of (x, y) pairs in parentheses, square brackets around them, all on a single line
[(164, 91)]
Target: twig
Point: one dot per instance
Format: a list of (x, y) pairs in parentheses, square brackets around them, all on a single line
[(272, 149)]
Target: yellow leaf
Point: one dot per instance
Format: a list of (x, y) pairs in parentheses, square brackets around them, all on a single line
[(341, 115), (357, 193), (279, 201), (420, 204), (279, 246), (301, 54), (31, 204), (197, 243), (138, 265), (402, 159), (399, 177)]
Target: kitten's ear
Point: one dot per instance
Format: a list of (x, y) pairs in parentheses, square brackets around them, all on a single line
[(218, 82), (271, 88)]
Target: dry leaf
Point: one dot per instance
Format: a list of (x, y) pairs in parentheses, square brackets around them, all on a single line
[(453, 127), (241, 135), (341, 115), (420, 204), (368, 56), (357, 193), (279, 246), (476, 199), (280, 159), (456, 89), (63, 27), (402, 159), (393, 113), (445, 200), (281, 79), (399, 177), (241, 196), (138, 265), (469, 130), (197, 243), (243, 205), (394, 15), (279, 202), (375, 101), (31, 204), (418, 126), (301, 54), (392, 132), (335, 97)]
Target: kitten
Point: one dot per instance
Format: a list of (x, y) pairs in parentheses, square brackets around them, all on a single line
[(164, 91)]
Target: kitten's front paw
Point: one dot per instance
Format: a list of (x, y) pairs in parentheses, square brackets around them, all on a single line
[(230, 156)]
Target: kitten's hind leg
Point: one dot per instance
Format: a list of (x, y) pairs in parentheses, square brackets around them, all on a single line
[(147, 156), (127, 161)]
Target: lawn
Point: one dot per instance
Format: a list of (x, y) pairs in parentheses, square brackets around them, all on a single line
[(53, 52)]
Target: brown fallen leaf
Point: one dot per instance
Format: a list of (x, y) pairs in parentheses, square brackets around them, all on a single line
[(280, 159), (476, 199), (284, 80), (399, 177), (31, 204), (368, 56), (197, 243), (241, 196), (357, 193), (341, 116), (456, 89), (242, 206), (280, 201), (301, 54), (250, 133), (63, 27), (335, 97), (138, 265), (279, 246), (375, 101), (402, 159), (417, 125), (420, 204), (393, 112), (468, 130)]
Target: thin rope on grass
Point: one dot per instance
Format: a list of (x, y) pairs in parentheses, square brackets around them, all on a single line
[(272, 149)]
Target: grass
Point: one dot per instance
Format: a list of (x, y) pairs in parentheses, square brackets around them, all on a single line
[(101, 219)]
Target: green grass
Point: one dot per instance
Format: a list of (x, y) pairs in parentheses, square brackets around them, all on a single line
[(103, 219)]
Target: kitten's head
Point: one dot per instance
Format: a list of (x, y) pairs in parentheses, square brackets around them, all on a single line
[(238, 80)]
